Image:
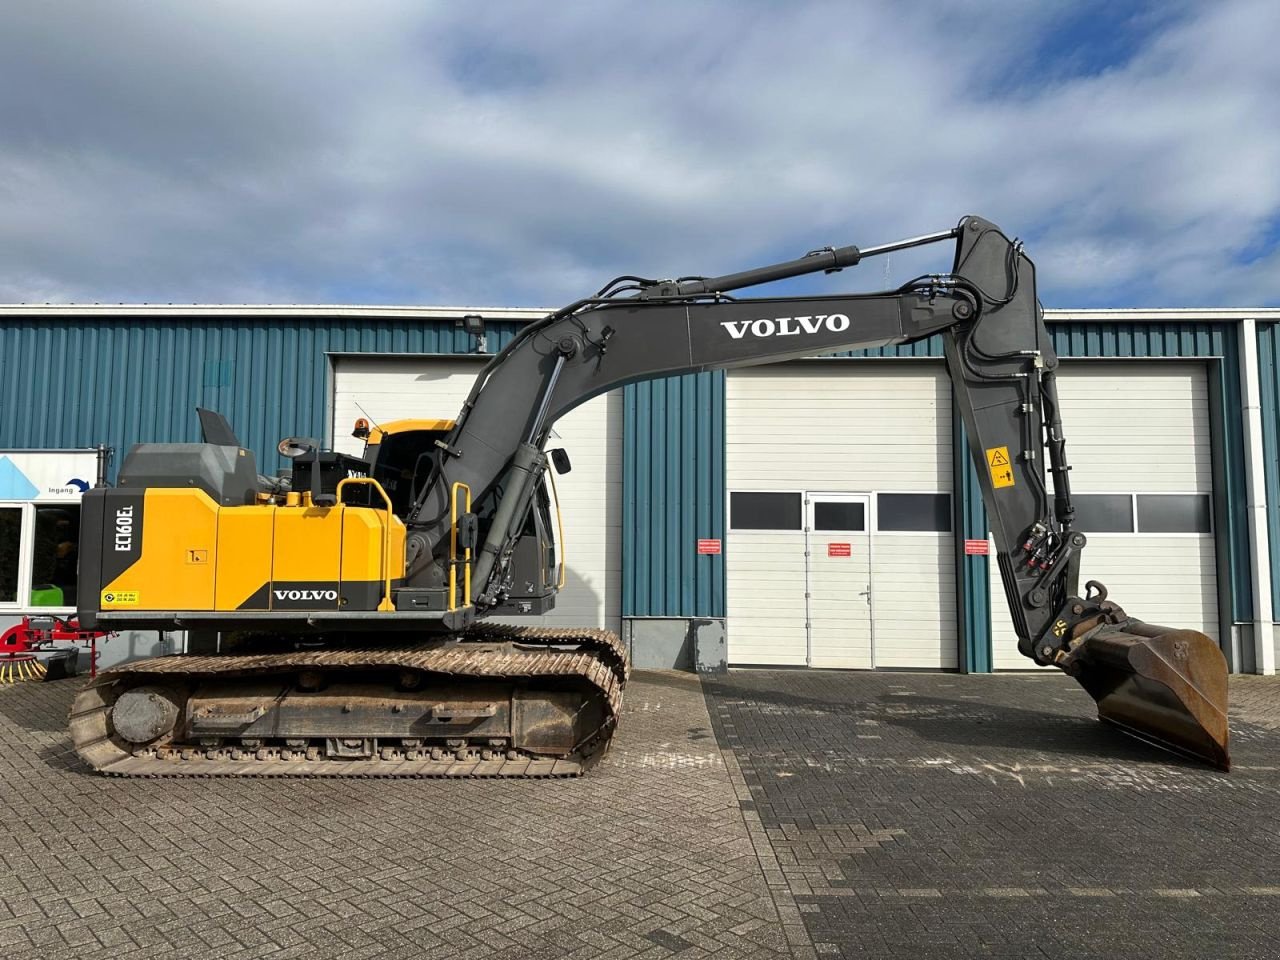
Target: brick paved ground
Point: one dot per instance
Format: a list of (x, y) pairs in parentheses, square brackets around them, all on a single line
[(647, 856), (926, 815), (853, 814)]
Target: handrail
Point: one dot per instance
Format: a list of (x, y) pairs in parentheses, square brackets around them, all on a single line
[(385, 603), (453, 550)]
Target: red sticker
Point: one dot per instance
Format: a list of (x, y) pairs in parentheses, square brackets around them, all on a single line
[(839, 549), (977, 548), (708, 547)]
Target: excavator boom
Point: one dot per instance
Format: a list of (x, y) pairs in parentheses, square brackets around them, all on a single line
[(1167, 686)]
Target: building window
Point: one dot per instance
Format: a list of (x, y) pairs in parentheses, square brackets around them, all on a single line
[(10, 548), (54, 554), (39, 554), (1143, 513), (764, 511), (913, 512), (839, 515), (1103, 512), (1173, 513)]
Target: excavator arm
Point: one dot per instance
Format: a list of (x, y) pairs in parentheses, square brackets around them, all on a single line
[(1168, 686)]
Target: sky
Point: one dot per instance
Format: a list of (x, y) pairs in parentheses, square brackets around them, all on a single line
[(522, 154)]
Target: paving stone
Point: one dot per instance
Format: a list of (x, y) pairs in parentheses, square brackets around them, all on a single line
[(647, 854), (995, 816), (789, 813)]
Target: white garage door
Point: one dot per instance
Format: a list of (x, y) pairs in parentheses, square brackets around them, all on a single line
[(799, 434), (1142, 478), (391, 388)]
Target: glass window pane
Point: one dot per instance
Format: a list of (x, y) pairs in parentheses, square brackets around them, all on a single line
[(10, 542), (1173, 513), (54, 554), (839, 515), (914, 511), (764, 511), (1103, 512)]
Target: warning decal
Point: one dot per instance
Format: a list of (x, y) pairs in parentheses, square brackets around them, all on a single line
[(1001, 468), (119, 598)]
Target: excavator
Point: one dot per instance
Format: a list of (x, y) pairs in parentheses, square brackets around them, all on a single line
[(342, 620)]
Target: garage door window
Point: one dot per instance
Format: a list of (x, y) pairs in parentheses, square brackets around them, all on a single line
[(913, 512), (1173, 513), (764, 511), (1143, 513), (1103, 512)]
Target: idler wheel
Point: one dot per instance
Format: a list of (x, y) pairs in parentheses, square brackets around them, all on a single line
[(144, 713)]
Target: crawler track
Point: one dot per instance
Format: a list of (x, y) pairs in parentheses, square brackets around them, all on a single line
[(528, 658)]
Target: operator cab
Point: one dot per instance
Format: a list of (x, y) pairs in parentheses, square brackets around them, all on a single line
[(401, 455)]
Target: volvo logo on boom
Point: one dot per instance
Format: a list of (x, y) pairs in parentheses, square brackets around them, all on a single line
[(786, 326)]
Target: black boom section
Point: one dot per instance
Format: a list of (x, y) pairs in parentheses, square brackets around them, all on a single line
[(997, 354)]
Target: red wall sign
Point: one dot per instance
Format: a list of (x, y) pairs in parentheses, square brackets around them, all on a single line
[(706, 547), (839, 549), (977, 548)]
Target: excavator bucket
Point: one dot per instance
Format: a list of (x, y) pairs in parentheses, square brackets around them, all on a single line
[(1160, 684)]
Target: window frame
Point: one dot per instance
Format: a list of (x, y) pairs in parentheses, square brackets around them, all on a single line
[(26, 557), (813, 497)]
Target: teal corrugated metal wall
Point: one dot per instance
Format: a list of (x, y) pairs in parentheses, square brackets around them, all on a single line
[(673, 495), (974, 581), (75, 382), (1269, 383)]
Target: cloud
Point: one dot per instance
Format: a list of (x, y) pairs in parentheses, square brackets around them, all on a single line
[(524, 153)]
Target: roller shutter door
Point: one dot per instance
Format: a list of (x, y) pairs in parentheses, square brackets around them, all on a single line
[(1139, 445), (811, 430), (391, 388)]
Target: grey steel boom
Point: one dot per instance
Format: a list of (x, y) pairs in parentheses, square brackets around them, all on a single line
[(1002, 367)]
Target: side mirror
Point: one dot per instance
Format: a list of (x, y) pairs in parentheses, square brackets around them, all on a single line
[(560, 460)]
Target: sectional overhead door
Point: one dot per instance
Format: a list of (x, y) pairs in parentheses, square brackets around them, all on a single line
[(390, 388), (1138, 439), (839, 551)]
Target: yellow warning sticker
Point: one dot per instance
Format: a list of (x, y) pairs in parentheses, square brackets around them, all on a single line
[(119, 598), (1001, 468)]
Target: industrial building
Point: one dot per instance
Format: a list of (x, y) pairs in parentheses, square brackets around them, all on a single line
[(844, 478)]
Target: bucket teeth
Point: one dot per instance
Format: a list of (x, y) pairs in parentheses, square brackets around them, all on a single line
[(1160, 684)]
